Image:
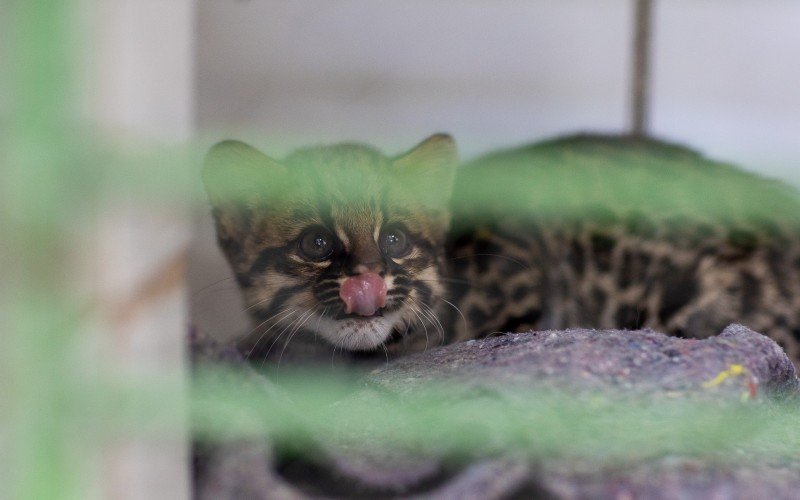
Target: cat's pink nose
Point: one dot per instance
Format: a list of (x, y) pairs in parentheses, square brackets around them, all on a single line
[(363, 294)]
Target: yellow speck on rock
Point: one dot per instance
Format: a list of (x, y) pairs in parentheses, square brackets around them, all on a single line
[(732, 371)]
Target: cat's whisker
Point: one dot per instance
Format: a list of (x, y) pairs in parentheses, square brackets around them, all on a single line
[(319, 320), (265, 332), (294, 332), (429, 314), (256, 304), (499, 256), (277, 322), (445, 280), (386, 352), (269, 299), (255, 328), (278, 337), (209, 286), (283, 308), (346, 339), (440, 327), (280, 311), (404, 335), (464, 319), (287, 327), (472, 285), (425, 328)]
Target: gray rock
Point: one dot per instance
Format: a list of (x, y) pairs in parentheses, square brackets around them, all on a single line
[(737, 365), (640, 362)]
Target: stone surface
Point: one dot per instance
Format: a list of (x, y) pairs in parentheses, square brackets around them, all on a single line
[(633, 363), (736, 365)]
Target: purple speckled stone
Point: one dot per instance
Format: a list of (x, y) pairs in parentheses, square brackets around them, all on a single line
[(630, 363), (636, 362)]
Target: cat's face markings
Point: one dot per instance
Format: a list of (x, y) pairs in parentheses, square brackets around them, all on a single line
[(296, 231)]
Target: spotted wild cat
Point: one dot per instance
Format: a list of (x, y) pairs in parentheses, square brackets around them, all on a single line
[(392, 254)]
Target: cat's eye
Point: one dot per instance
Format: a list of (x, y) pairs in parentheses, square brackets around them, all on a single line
[(395, 242), (316, 244)]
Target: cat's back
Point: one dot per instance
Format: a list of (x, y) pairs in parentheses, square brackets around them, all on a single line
[(623, 174), (625, 232)]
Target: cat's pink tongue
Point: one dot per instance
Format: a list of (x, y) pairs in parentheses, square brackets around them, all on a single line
[(363, 294)]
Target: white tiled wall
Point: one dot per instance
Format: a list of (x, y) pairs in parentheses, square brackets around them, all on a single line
[(726, 73), (388, 72), (727, 79)]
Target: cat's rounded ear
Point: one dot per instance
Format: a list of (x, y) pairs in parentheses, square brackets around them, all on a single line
[(431, 163), (236, 172)]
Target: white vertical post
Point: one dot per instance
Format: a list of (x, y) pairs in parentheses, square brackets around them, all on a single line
[(138, 91)]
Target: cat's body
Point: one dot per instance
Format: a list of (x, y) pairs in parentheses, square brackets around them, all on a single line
[(586, 232)]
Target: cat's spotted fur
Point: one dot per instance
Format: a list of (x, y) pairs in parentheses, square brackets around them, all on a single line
[(590, 232)]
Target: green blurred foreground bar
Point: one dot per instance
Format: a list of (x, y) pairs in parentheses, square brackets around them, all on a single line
[(227, 405), (583, 176), (37, 201)]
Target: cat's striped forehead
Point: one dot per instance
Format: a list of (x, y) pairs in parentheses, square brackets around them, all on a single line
[(350, 189), (345, 188), (344, 174), (347, 216)]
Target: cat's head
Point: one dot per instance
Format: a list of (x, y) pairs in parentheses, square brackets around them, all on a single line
[(338, 240)]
